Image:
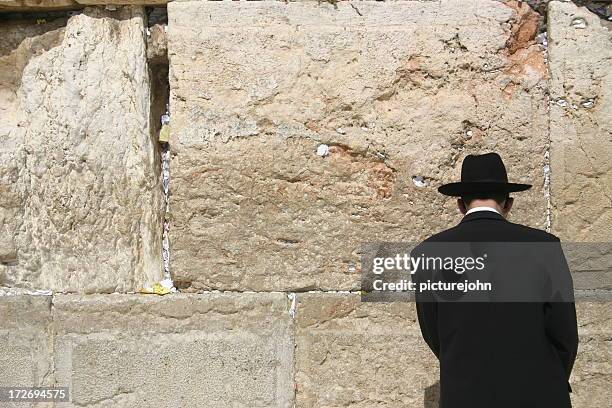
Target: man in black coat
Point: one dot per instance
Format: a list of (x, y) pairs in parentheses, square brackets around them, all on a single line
[(498, 354)]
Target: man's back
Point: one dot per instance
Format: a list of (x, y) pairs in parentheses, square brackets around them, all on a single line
[(500, 354)]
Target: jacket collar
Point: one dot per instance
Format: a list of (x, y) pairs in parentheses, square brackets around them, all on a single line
[(483, 215)]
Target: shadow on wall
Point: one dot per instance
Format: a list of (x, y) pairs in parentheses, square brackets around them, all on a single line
[(431, 399)]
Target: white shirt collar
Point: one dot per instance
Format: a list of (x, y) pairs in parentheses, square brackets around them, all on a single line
[(473, 210)]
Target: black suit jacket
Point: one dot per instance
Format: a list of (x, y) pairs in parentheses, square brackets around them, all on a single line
[(498, 355)]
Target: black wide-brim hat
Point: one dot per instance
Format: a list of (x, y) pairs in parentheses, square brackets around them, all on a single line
[(482, 174)]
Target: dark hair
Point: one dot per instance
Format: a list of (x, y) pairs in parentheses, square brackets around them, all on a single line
[(498, 197)]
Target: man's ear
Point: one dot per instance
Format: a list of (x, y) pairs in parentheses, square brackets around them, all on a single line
[(508, 205), (461, 206)]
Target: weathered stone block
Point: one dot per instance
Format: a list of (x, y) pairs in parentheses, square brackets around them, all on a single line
[(297, 130), (22, 41), (592, 373), (25, 342), (212, 350), (357, 354), (590, 263), (580, 123), (84, 207)]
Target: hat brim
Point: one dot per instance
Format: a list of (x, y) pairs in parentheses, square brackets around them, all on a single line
[(481, 187)]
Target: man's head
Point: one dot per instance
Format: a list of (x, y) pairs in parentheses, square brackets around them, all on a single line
[(502, 202), (484, 183)]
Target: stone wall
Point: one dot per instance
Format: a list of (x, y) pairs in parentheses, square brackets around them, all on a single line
[(80, 164), (388, 92), (298, 131), (580, 123)]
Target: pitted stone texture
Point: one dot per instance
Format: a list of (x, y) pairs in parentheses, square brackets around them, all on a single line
[(25, 342), (592, 373), (581, 123), (394, 90), (87, 191), (11, 199), (22, 40), (213, 350), (350, 353), (590, 263)]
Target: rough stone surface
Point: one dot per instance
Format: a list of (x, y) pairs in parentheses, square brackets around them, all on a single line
[(299, 132), (357, 354), (590, 263), (33, 5), (157, 45), (25, 342), (394, 90), (46, 5), (592, 373), (82, 169), (138, 350), (180, 350), (371, 354), (580, 124), (22, 40)]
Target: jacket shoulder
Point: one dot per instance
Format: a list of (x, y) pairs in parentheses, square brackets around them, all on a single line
[(492, 231), (534, 233)]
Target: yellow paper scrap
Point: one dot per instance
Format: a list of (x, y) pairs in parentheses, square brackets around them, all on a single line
[(164, 134), (159, 288)]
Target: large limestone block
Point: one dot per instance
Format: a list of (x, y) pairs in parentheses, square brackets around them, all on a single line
[(581, 123), (371, 353), (25, 342), (592, 373), (297, 130), (213, 350), (85, 204), (357, 354), (590, 263), (22, 40)]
